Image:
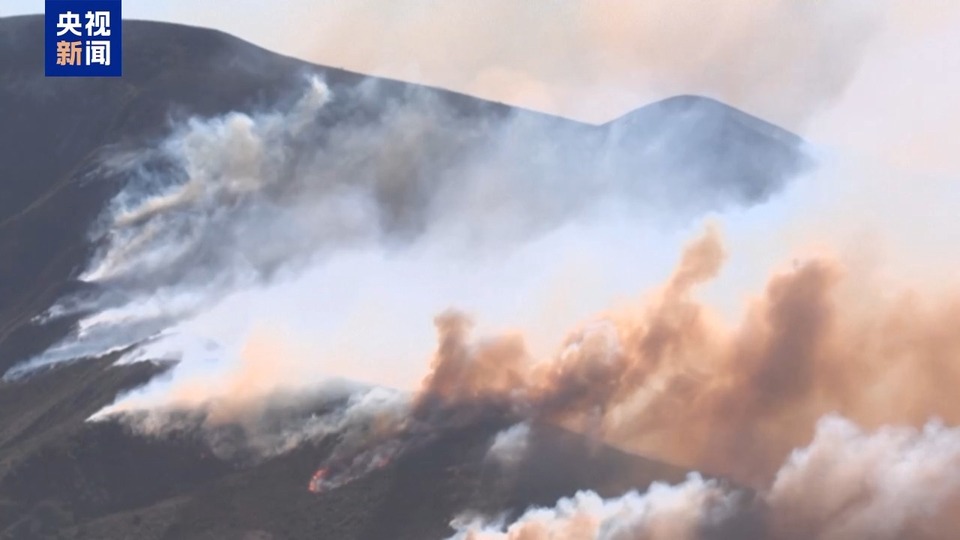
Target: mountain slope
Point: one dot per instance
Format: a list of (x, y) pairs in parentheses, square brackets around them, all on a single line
[(60, 475), (55, 129)]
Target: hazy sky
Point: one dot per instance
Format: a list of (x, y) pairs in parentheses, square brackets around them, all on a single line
[(785, 60)]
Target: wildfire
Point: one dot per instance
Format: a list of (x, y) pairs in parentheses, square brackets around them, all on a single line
[(344, 471), (348, 465), (316, 481)]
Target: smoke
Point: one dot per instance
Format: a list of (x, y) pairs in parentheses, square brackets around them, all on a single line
[(274, 251), (251, 428), (746, 394), (750, 54), (893, 483), (668, 378), (663, 512), (245, 247), (227, 206), (782, 60), (510, 445)]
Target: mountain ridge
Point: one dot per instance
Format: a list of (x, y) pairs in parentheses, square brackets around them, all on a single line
[(61, 476)]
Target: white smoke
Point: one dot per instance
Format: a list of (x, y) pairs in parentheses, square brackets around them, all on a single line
[(884, 485), (232, 208), (510, 445), (663, 512), (890, 484), (245, 428)]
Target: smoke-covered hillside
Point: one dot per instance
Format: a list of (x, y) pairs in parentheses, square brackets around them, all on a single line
[(136, 213)]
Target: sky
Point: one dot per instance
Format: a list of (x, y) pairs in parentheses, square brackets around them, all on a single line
[(787, 61)]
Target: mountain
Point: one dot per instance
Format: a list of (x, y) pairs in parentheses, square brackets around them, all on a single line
[(100, 481), (61, 477)]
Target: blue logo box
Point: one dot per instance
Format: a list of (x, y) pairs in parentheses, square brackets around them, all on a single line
[(83, 38)]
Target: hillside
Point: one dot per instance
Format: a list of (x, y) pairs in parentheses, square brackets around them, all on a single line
[(63, 478)]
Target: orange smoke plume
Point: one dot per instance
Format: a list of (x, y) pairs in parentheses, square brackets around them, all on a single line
[(670, 379)]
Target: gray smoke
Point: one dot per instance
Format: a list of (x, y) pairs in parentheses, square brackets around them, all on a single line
[(230, 203)]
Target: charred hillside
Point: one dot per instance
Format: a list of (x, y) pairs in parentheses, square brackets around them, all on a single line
[(61, 477)]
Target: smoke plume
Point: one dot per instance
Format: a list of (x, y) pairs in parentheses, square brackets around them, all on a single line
[(230, 204), (663, 512), (745, 395), (668, 378), (799, 348), (893, 483)]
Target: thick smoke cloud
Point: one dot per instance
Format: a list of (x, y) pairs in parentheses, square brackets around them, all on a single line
[(667, 375), (231, 203), (663, 512), (892, 483), (672, 380)]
